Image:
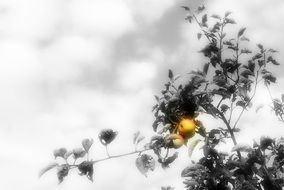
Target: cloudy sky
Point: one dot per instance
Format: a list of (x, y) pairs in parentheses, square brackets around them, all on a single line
[(69, 68)]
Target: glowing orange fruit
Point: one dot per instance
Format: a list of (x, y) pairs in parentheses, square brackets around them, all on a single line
[(186, 128)]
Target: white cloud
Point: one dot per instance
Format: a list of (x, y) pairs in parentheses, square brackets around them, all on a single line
[(149, 11), (136, 75), (108, 19), (29, 19)]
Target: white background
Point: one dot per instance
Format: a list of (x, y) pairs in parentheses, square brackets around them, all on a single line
[(69, 68)]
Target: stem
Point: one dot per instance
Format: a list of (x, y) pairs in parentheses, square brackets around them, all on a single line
[(255, 88), (107, 151), (230, 131), (199, 24), (121, 155)]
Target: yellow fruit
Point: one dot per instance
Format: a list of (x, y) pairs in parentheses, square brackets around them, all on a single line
[(177, 140), (186, 128)]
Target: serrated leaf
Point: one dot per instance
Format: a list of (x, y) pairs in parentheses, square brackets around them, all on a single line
[(60, 152), (247, 73), (241, 104), (144, 163), (243, 38), (106, 136), (204, 20), (47, 168), (241, 32), (230, 21), (79, 153), (205, 68), (176, 77), (185, 8), (192, 167), (68, 154), (272, 51), (216, 16), (265, 142), (62, 172), (87, 143), (201, 128), (189, 18), (260, 46), (200, 8), (170, 74), (135, 137), (259, 107), (87, 168), (228, 13), (139, 139), (224, 107), (199, 35)]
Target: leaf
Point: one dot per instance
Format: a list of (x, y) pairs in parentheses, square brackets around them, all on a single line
[(224, 107), (205, 68), (200, 8), (62, 172), (47, 168), (87, 168), (192, 167), (170, 75), (273, 61), (199, 35), (241, 104), (189, 18), (78, 153), (204, 20), (257, 56), (282, 97), (135, 137), (243, 38), (269, 78), (259, 107), (241, 32), (68, 154), (87, 143), (106, 136), (144, 163), (260, 46), (247, 73), (230, 21), (201, 128), (140, 138), (176, 77), (227, 13), (185, 8), (272, 51), (216, 16), (192, 145), (251, 66), (265, 142), (60, 152)]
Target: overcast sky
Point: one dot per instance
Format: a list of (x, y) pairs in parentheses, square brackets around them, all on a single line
[(69, 68)]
